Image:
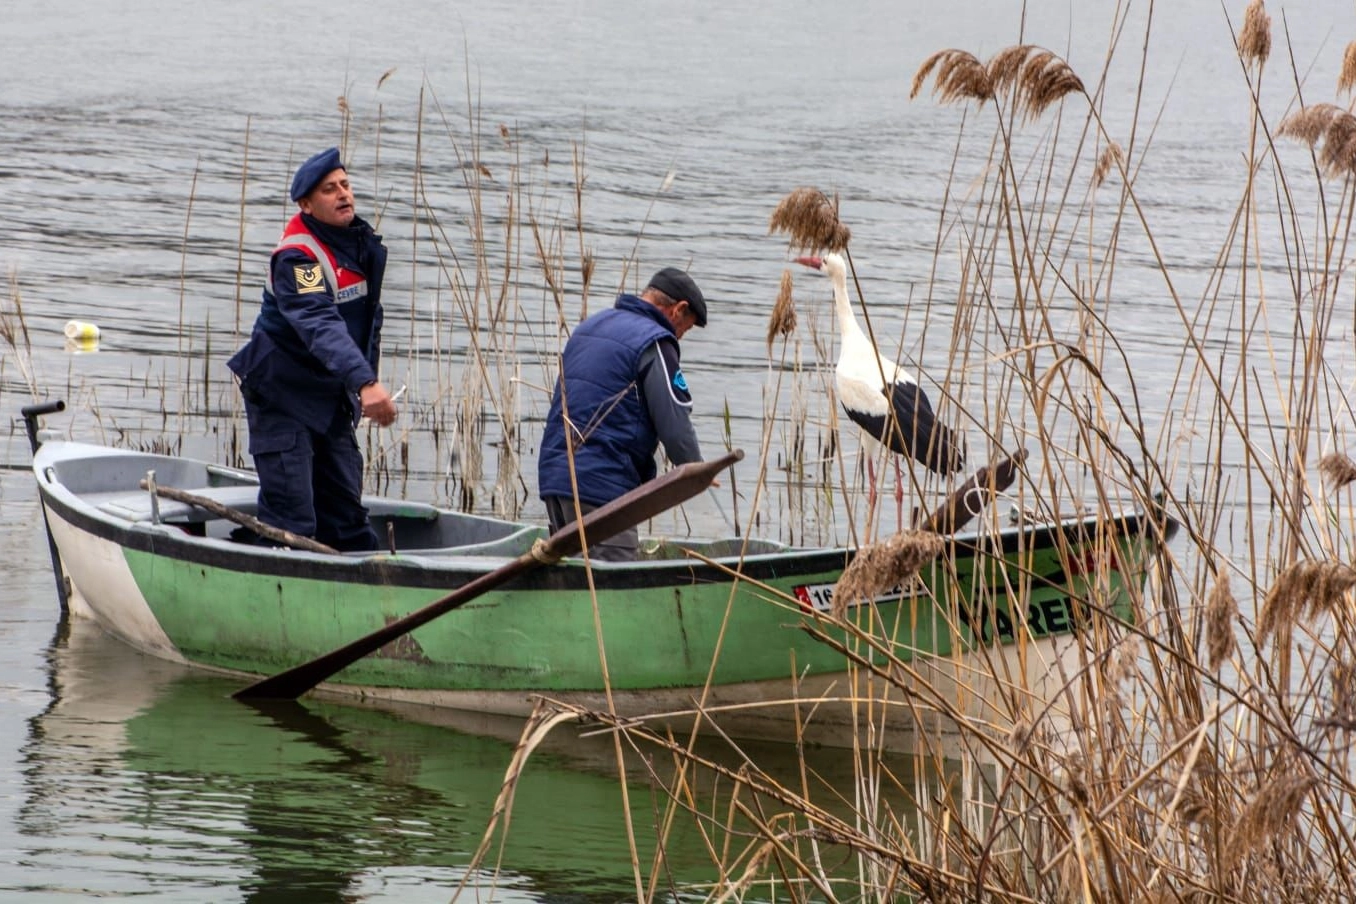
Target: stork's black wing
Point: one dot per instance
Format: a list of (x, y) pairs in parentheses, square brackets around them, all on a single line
[(912, 429)]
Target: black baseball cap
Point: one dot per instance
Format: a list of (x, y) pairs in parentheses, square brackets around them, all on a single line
[(680, 287)]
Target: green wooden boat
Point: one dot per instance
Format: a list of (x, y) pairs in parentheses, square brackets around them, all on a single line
[(718, 625)]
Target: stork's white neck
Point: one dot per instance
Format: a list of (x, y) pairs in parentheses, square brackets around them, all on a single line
[(842, 305), (858, 358)]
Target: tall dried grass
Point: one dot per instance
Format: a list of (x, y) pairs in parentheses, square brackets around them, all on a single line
[(1197, 750)]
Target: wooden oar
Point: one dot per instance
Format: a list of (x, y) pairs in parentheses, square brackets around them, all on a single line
[(644, 502), (969, 499)]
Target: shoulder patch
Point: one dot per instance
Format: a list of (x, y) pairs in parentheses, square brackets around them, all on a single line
[(310, 278), (680, 381)]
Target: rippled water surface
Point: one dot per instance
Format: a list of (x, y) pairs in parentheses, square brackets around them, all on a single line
[(147, 149)]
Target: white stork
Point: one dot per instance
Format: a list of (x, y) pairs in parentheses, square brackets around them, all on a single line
[(896, 412)]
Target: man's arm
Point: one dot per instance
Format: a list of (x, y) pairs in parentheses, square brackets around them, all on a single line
[(308, 304), (668, 401)]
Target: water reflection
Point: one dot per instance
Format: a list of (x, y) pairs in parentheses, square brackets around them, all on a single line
[(142, 778)]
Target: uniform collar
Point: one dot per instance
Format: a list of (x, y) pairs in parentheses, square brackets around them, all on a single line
[(638, 305)]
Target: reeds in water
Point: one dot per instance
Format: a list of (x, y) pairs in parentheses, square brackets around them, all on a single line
[(1196, 749)]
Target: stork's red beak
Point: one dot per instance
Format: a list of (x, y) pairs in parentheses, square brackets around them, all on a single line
[(815, 263)]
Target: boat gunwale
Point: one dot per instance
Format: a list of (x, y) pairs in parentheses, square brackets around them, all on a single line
[(442, 569)]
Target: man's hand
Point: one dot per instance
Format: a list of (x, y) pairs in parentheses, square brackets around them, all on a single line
[(378, 404)]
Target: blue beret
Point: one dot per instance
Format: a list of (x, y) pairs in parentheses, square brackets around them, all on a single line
[(313, 170)]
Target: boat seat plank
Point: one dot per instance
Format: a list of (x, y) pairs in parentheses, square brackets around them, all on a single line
[(136, 506)]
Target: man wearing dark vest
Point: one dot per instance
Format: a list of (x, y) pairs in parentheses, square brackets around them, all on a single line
[(309, 370), (621, 392)]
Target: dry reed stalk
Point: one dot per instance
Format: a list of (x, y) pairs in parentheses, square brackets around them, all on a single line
[(960, 76), (1337, 469), (1303, 590), (811, 220), (505, 500), (782, 323), (1254, 41), (881, 567), (1111, 158), (1220, 611), (14, 331), (1346, 79), (1335, 127), (545, 718)]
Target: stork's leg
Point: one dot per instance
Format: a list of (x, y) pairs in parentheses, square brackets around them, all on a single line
[(870, 490), (899, 496)]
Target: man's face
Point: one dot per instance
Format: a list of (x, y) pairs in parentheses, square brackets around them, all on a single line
[(681, 316), (330, 202)]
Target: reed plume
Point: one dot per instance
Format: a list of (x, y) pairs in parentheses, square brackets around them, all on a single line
[(1272, 810), (1254, 41), (1033, 77), (1120, 669), (1074, 778), (1020, 734), (960, 76), (1335, 127), (1346, 79), (1121, 665), (1199, 790), (882, 567), (783, 320), (1342, 681), (1220, 610), (1111, 158), (811, 220), (1337, 469), (587, 264), (1302, 591)]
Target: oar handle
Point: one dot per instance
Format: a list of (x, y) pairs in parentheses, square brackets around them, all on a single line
[(641, 504), (969, 499), (31, 413)]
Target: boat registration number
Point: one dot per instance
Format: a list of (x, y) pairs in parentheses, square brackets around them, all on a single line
[(819, 597)]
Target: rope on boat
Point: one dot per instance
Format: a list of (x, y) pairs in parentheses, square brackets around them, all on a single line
[(541, 551)]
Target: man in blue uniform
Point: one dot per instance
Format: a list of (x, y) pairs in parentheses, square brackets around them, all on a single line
[(309, 370), (621, 393)]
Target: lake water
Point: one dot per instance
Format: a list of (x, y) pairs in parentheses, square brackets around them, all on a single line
[(147, 150)]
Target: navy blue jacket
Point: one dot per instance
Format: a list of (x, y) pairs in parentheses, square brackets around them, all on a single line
[(309, 353), (615, 431)]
